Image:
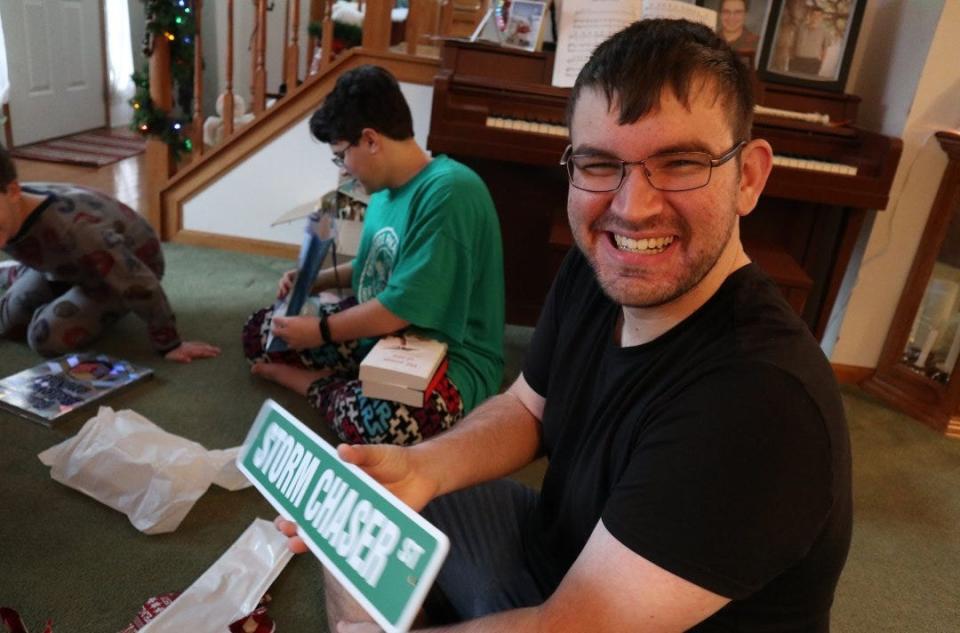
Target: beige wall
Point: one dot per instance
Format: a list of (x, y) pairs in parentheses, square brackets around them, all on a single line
[(875, 289)]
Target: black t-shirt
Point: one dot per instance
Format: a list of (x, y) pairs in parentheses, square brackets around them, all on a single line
[(718, 451)]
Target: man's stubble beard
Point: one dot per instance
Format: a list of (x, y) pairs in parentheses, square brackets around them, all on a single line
[(649, 295)]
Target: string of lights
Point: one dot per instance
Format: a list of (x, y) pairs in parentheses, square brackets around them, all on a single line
[(172, 20)]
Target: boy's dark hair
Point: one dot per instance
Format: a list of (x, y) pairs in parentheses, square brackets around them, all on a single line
[(633, 67), (8, 171), (365, 97)]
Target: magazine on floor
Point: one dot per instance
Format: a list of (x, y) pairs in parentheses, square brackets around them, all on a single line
[(55, 388)]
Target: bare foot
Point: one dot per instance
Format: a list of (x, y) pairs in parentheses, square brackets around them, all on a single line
[(296, 379)]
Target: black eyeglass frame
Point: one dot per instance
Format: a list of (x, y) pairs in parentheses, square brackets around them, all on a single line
[(567, 162), (340, 157)]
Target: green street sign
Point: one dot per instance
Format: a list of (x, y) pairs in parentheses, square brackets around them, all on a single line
[(385, 554)]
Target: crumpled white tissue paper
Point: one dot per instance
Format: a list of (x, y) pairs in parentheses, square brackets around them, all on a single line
[(129, 463), (231, 587)]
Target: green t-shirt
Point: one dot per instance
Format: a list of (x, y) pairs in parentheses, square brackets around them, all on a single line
[(430, 251)]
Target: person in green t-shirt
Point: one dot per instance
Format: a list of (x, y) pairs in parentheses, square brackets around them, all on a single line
[(430, 261)]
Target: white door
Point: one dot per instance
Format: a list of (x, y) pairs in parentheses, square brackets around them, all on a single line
[(56, 67)]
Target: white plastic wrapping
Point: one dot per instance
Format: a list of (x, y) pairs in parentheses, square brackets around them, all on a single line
[(231, 587), (130, 464)]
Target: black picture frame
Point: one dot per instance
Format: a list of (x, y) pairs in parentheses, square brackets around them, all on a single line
[(831, 25)]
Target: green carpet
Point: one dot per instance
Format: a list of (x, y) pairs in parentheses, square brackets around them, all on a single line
[(66, 557)]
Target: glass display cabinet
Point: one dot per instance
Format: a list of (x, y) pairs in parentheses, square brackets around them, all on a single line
[(916, 371)]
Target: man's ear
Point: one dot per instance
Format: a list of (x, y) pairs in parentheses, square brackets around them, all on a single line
[(370, 140), (756, 161)]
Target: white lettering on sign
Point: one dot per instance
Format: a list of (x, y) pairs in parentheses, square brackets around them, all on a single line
[(286, 463), (409, 553), (355, 529)]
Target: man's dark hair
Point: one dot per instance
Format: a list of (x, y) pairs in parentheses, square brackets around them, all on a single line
[(365, 97), (8, 171), (633, 67)]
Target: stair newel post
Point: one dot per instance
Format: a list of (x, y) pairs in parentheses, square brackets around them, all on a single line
[(259, 66), (292, 68), (376, 25), (197, 131), (228, 88), (159, 156)]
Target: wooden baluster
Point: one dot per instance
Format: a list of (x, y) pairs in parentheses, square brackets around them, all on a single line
[(411, 29), (446, 18), (227, 112), (292, 67), (286, 40), (326, 35), (376, 25), (317, 11), (197, 131), (7, 126), (159, 158), (259, 67)]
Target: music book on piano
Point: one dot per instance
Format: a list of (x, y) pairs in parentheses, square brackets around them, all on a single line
[(584, 24)]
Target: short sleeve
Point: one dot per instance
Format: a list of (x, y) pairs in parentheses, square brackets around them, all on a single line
[(536, 365)]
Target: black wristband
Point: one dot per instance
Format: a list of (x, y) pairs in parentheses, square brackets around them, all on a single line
[(324, 330)]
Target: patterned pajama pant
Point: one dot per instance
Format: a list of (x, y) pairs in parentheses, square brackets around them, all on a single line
[(355, 418), (55, 317)]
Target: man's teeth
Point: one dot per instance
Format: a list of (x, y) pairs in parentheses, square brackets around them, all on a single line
[(648, 245)]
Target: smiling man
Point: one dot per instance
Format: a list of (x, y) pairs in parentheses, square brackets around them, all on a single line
[(699, 466)]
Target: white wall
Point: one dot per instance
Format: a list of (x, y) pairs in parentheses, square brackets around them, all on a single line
[(934, 106), (289, 171)]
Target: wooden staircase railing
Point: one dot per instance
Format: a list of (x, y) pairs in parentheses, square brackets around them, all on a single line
[(426, 20), (424, 24)]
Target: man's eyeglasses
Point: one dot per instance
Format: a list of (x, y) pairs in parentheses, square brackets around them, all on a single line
[(341, 156), (674, 171)]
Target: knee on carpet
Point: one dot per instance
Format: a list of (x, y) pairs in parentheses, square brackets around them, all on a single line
[(53, 339)]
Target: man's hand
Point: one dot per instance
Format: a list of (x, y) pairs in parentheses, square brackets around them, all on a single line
[(289, 529), (299, 332), (392, 466), (286, 283), (395, 468), (189, 350)]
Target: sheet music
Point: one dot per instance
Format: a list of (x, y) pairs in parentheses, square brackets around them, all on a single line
[(584, 24)]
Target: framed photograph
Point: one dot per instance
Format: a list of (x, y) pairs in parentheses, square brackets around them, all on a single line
[(740, 23), (525, 24), (810, 42)]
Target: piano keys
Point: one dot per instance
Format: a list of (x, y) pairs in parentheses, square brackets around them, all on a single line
[(494, 110)]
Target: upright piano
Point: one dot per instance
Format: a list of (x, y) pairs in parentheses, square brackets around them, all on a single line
[(495, 110)]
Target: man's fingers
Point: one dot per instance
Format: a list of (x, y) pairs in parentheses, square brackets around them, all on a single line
[(287, 528), (358, 455)]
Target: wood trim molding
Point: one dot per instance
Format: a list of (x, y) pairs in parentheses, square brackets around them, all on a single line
[(202, 173), (851, 374), (239, 244)]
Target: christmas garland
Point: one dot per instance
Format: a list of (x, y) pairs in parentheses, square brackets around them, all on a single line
[(173, 21)]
